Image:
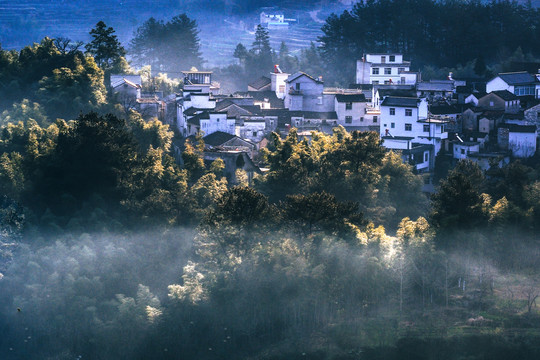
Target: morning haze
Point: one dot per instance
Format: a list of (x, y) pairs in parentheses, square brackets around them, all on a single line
[(269, 180)]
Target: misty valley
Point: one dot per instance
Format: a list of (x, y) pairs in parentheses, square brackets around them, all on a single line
[(323, 180)]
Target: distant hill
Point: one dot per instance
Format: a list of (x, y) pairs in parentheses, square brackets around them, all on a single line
[(223, 23)]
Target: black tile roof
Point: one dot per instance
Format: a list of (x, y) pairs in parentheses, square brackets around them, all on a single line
[(400, 101), (350, 98), (218, 138), (260, 83), (443, 109), (275, 102), (505, 95), (397, 92), (196, 120), (297, 74), (519, 128), (517, 78)]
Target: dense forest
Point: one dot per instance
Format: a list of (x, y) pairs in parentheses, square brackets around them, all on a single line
[(436, 33), (111, 250)]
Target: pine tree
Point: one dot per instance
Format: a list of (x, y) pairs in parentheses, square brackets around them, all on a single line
[(105, 47)]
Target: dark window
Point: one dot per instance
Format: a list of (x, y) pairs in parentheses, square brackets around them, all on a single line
[(392, 58), (387, 71), (348, 106), (408, 127), (462, 151), (375, 71), (393, 125), (348, 119), (400, 70), (254, 133), (426, 128), (297, 86), (392, 111), (408, 112), (426, 157), (375, 119), (362, 118)]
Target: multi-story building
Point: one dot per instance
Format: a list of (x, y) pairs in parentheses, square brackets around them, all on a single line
[(384, 69), (407, 126)]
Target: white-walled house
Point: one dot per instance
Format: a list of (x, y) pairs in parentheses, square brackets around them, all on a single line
[(189, 104), (518, 83), (278, 82), (253, 129), (519, 139), (384, 69), (532, 115), (305, 93), (351, 109), (127, 86), (462, 149), (500, 100), (405, 123), (210, 122)]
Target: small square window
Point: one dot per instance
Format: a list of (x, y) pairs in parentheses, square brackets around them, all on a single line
[(462, 151), (408, 127), (362, 118), (375, 118), (348, 106), (387, 71), (400, 70), (392, 58), (408, 112), (375, 71), (348, 119), (392, 111), (426, 128), (254, 134), (393, 125)]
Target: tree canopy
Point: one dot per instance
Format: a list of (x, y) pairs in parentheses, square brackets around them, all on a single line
[(167, 47)]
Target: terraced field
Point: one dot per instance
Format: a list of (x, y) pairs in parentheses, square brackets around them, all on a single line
[(23, 22)]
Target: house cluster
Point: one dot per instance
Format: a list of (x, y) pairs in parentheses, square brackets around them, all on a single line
[(421, 119), (128, 90)]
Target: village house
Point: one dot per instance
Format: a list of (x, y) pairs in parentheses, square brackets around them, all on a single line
[(462, 149), (261, 84), (195, 80), (189, 104), (351, 110), (518, 83), (519, 139), (253, 129), (405, 124), (474, 97), (384, 69), (435, 90), (486, 160), (532, 115), (126, 86), (210, 122), (306, 93), (500, 100)]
